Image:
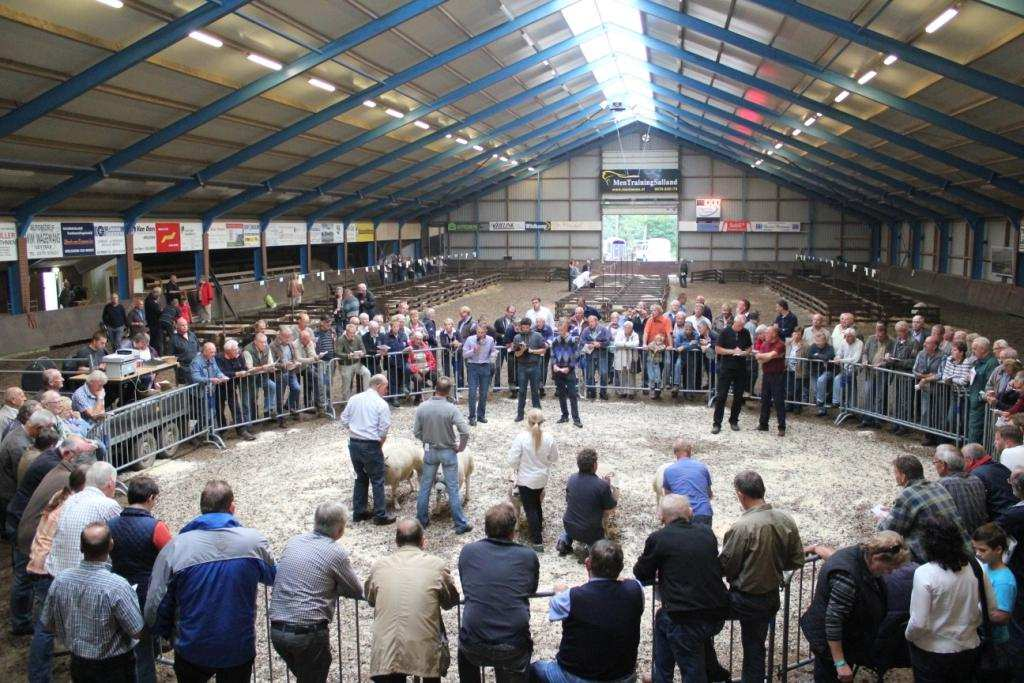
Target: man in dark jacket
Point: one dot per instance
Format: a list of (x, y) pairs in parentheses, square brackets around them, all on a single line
[(115, 321), (203, 587), (504, 330), (367, 304), (138, 537), (587, 498), (600, 622), (185, 347), (785, 320), (153, 308), (498, 575), (993, 474), (683, 558)]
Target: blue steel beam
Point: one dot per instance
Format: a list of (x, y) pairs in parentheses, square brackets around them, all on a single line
[(919, 111), (324, 115), (81, 181), (862, 35), (869, 127), (359, 140), (116, 63), (820, 132), (701, 142), (886, 180), (448, 173), (538, 149), (808, 181)]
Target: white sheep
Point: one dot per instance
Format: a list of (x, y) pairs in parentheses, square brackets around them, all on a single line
[(659, 482), (465, 472), (403, 462)]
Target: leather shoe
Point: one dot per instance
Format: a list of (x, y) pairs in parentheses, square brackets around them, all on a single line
[(464, 530), (482, 420), (472, 422), (361, 517), (734, 426), (563, 419), (384, 521), (716, 429), (578, 424), (519, 418), (762, 428)]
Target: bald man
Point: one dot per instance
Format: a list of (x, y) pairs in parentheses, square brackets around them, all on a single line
[(14, 397)]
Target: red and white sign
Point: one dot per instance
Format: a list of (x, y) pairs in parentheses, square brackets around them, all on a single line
[(735, 226), (168, 238), (709, 207)]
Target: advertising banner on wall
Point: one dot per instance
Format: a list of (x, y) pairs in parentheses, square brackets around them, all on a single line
[(109, 239), (242, 235), (144, 238), (735, 226), (774, 226), (326, 233), (621, 180), (77, 239), (538, 225), (360, 231), (44, 241), (463, 227), (1002, 261), (708, 207), (286, 234), (168, 238), (8, 242), (506, 226)]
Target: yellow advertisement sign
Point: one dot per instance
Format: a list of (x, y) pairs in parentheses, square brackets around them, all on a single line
[(360, 231)]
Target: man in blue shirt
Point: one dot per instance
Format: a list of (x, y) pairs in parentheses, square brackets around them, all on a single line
[(785, 320), (690, 478), (479, 351), (594, 342), (205, 371), (564, 358)]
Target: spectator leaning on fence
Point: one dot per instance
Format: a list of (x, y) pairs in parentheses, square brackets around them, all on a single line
[(498, 576), (408, 589), (993, 475), (29, 423), (984, 364), (94, 612), (185, 347), (1008, 446), (968, 493), (203, 590), (312, 573)]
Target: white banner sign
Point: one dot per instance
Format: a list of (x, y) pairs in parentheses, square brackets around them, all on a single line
[(44, 241), (286, 234), (191, 237), (709, 207), (774, 226), (109, 239), (8, 242), (326, 233), (506, 226)]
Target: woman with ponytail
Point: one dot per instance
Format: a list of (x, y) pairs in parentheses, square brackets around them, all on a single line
[(531, 455)]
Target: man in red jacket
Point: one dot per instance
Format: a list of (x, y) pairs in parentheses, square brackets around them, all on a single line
[(206, 299)]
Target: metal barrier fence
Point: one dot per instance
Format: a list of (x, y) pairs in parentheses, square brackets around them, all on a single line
[(274, 393), (350, 634)]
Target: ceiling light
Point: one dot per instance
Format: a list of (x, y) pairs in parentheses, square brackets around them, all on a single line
[(503, 158), (116, 4), (514, 162), (323, 85), (421, 124), (778, 145), (818, 114), (770, 152), (810, 121), (842, 96), (394, 112), (264, 61), (369, 103), (462, 141), (447, 136), (941, 20), (494, 156), (478, 148), (867, 77), (890, 60), (796, 131), (206, 38), (531, 169), (508, 152)]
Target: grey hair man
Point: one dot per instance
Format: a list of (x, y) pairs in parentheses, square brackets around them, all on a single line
[(993, 475), (368, 419), (90, 398), (14, 397), (312, 573), (94, 503), (968, 493), (29, 421)]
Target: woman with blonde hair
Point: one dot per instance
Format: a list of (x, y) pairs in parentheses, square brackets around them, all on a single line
[(531, 456)]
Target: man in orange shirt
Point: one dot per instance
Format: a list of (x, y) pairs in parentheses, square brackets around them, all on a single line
[(657, 324)]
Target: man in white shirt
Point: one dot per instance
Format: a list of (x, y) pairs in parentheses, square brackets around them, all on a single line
[(846, 321), (538, 311), (582, 280), (817, 325), (368, 419), (848, 354), (1008, 445)]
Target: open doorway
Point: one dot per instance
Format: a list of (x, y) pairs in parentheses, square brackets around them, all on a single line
[(640, 237)]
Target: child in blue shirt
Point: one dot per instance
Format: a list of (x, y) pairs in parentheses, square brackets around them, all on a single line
[(990, 542)]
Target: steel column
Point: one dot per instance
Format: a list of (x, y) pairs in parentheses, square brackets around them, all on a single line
[(1018, 271), (916, 239), (895, 242), (978, 238), (876, 244), (945, 239)]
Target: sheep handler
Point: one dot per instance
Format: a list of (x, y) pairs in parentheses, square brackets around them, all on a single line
[(367, 417), (435, 424)]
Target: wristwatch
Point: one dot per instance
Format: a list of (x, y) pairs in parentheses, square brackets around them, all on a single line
[(840, 663)]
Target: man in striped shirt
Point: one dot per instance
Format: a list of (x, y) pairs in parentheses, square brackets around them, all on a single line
[(313, 572), (94, 612)]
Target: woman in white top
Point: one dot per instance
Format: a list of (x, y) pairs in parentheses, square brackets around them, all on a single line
[(627, 357), (531, 455), (945, 609)]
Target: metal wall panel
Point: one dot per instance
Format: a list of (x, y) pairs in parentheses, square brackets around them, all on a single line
[(795, 210), (558, 171), (727, 254), (759, 188), (695, 240), (732, 209), (494, 196), (554, 188), (586, 211), (586, 166), (464, 213), (492, 211), (696, 165), (826, 235), (552, 239), (757, 240), (554, 211), (760, 254), (762, 210), (522, 211), (826, 212), (461, 241), (727, 188), (696, 187), (492, 254), (525, 189), (792, 241), (720, 169), (491, 240), (584, 188), (556, 254)]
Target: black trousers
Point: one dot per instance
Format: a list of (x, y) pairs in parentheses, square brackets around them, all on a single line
[(308, 655), (532, 509), (568, 394), (119, 669), (773, 393), (735, 379), (187, 672), (511, 663)]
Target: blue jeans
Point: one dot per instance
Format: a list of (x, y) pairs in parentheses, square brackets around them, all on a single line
[(528, 374), (479, 384), (821, 386), (290, 379), (368, 463), (145, 658), (548, 671), (595, 361), (681, 644), (432, 459), (40, 650), (654, 373), (21, 589)]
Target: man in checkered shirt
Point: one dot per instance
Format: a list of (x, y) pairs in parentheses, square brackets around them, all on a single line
[(918, 500), (92, 504), (95, 613), (313, 572)]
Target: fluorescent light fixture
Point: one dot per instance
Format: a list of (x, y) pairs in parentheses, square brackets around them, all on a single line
[(206, 38), (462, 141), (509, 152), (421, 124), (531, 169), (941, 20), (494, 156), (770, 152), (264, 61), (867, 77), (758, 162), (323, 85), (818, 114), (394, 112), (116, 4), (503, 158), (810, 121), (796, 131), (478, 148), (842, 96), (778, 145), (369, 103), (890, 60), (514, 162)]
